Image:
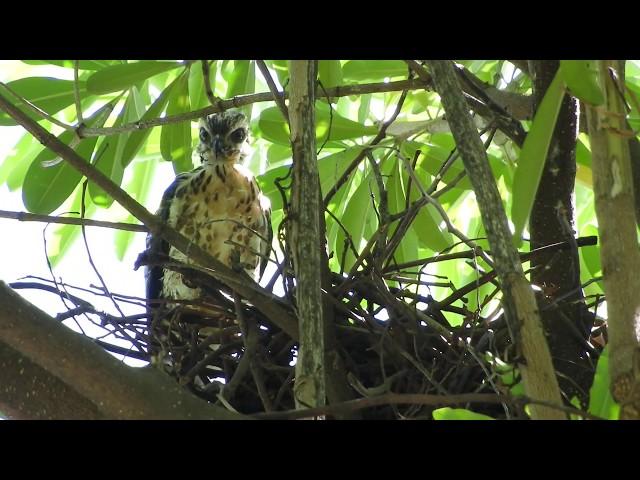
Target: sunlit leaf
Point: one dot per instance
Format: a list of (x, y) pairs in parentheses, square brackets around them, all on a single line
[(82, 64), (175, 138), (374, 70), (49, 94), (533, 156), (120, 77), (110, 160), (45, 188), (581, 78), (601, 403), (448, 413), (20, 158), (138, 187), (330, 73), (241, 80), (197, 93), (274, 128), (137, 138)]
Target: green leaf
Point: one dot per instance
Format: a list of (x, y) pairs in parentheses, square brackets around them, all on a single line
[(274, 128), (175, 138), (64, 235), (281, 67), (373, 70), (45, 188), (110, 160), (330, 73), (137, 138), (82, 64), (138, 187), (407, 249), (241, 80), (197, 93), (533, 156), (48, 94), (357, 215), (121, 77), (19, 157), (591, 254), (581, 78), (448, 413), (601, 403)]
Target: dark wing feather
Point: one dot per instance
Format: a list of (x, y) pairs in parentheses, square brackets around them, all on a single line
[(156, 245)]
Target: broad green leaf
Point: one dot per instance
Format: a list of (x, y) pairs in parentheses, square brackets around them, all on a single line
[(591, 254), (241, 80), (601, 403), (45, 188), (110, 158), (533, 156), (396, 195), (20, 158), (363, 109), (120, 77), (373, 70), (48, 94), (175, 138), (581, 78), (277, 154), (358, 213), (82, 64), (137, 138), (274, 128), (197, 93), (64, 235), (448, 413), (138, 187), (330, 73), (281, 67)]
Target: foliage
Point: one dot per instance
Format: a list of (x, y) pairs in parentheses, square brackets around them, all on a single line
[(414, 159)]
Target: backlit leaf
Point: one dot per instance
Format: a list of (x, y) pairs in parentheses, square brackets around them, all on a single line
[(581, 78), (533, 156), (121, 77), (448, 413)]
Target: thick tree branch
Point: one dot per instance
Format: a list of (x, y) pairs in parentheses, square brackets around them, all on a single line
[(518, 299), (619, 252), (67, 362), (306, 202)]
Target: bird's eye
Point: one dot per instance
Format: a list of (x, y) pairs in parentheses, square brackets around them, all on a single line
[(238, 135), (204, 135)]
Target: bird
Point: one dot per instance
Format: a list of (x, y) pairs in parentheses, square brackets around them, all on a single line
[(219, 206)]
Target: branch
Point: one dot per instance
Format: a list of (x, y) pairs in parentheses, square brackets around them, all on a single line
[(69, 362), (33, 217), (304, 237), (240, 101), (519, 302)]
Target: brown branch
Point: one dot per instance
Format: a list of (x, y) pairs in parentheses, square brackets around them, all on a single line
[(33, 217), (277, 96), (242, 100), (519, 302), (386, 399), (117, 391)]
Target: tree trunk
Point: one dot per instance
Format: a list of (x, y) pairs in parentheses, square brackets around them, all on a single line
[(305, 241), (619, 252), (568, 322)]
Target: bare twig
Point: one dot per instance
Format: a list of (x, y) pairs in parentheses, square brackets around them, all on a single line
[(277, 96)]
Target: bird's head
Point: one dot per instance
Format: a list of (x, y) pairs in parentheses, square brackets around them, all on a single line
[(222, 137)]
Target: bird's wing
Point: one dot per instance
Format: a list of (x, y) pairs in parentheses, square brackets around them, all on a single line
[(156, 245)]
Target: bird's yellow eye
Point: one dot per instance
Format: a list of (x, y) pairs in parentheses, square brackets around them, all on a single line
[(238, 135), (204, 135)]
